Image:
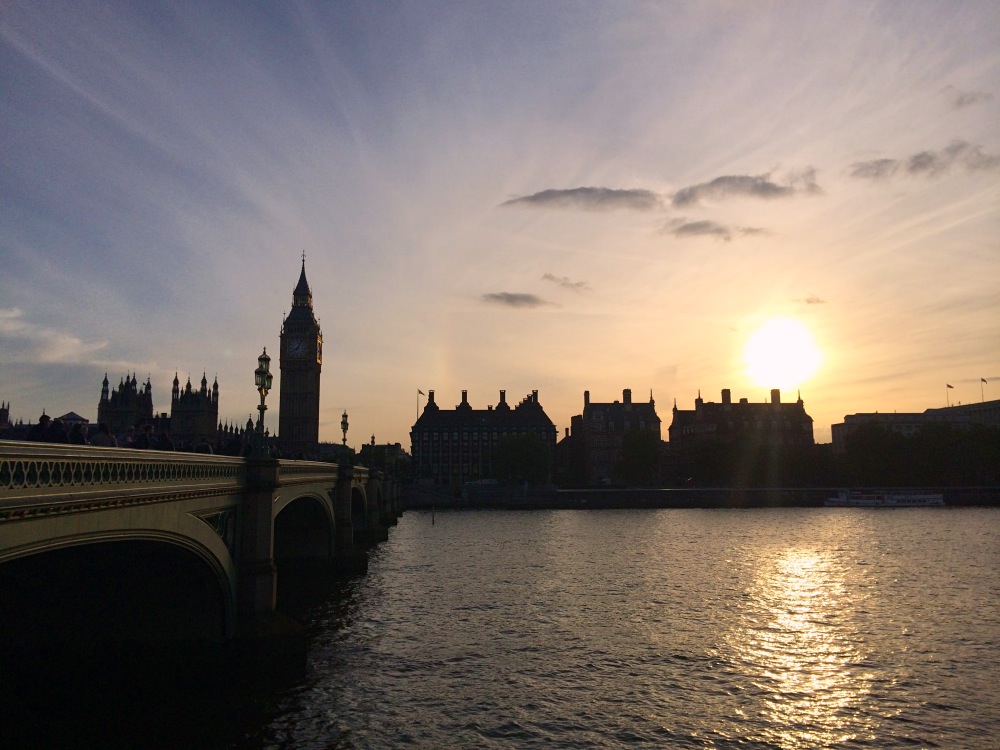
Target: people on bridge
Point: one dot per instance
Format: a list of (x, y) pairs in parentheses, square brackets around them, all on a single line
[(203, 446), (145, 441), (163, 441), (39, 433), (57, 432), (78, 434), (103, 437)]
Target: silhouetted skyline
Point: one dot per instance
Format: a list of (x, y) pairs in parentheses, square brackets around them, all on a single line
[(555, 196)]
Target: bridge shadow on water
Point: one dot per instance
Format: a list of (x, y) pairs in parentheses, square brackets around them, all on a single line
[(72, 677)]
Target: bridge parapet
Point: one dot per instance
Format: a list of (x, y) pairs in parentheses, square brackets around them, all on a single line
[(306, 472), (44, 478)]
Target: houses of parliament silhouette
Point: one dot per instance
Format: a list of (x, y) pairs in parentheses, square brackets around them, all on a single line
[(194, 412)]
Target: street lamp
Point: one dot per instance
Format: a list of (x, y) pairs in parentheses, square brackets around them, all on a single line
[(262, 378), (343, 426)]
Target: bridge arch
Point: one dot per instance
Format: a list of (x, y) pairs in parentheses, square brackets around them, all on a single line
[(359, 508), (126, 586), (304, 526)]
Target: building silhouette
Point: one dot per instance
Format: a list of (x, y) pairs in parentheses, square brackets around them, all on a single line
[(126, 406), (986, 413), (194, 414), (591, 451), (774, 423), (301, 361), (453, 446)]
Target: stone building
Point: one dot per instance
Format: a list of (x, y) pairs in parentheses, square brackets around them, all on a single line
[(591, 451), (126, 406), (194, 414), (773, 423), (301, 362), (454, 446), (985, 413)]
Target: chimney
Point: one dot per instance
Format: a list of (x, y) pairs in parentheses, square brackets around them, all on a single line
[(465, 398), (775, 396), (534, 397), (727, 397), (627, 396), (586, 399), (503, 397), (567, 432), (430, 397)]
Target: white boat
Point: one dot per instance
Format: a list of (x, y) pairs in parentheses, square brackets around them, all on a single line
[(885, 499)]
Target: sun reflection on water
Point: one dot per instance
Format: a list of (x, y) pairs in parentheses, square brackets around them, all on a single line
[(796, 636)]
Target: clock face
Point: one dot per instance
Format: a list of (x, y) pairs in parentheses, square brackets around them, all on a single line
[(296, 348)]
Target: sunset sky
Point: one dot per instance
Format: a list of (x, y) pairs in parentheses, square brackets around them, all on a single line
[(552, 196)]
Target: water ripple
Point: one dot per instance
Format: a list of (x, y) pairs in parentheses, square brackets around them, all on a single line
[(688, 629)]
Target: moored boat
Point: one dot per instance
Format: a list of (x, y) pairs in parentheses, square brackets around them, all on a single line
[(885, 499)]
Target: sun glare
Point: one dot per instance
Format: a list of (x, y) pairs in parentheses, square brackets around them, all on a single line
[(781, 354)]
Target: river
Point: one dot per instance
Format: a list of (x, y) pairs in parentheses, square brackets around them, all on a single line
[(793, 628), (790, 628)]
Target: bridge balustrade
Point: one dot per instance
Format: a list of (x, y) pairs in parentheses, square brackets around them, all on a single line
[(46, 478)]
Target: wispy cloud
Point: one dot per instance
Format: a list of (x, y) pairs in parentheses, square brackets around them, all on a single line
[(566, 283), (752, 186), (23, 341), (514, 299), (701, 229), (876, 169), (591, 199), (706, 228), (928, 163), (960, 99), (812, 299)]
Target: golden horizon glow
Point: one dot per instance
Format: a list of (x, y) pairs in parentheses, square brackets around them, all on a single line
[(781, 354)]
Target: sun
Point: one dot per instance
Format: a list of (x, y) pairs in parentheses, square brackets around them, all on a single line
[(781, 354)]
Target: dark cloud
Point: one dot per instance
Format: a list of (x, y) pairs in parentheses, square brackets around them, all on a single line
[(702, 229), (590, 199), (566, 283), (812, 299), (512, 299), (876, 169), (974, 159), (705, 228), (929, 163), (754, 186), (961, 99)]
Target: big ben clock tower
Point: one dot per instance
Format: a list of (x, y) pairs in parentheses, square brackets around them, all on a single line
[(301, 362)]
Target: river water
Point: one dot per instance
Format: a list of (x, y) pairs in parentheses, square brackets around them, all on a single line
[(792, 628)]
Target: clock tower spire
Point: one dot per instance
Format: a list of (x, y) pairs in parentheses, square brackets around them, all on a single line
[(300, 362)]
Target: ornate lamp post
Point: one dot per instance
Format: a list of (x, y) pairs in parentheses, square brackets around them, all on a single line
[(343, 426), (262, 378)]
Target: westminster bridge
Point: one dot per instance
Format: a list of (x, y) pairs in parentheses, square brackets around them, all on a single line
[(155, 544)]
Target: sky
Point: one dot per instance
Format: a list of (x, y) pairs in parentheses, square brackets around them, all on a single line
[(558, 196)]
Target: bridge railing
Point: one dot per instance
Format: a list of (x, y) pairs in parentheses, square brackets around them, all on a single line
[(302, 472), (45, 476)]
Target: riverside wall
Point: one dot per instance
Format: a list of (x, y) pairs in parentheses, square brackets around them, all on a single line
[(612, 498)]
